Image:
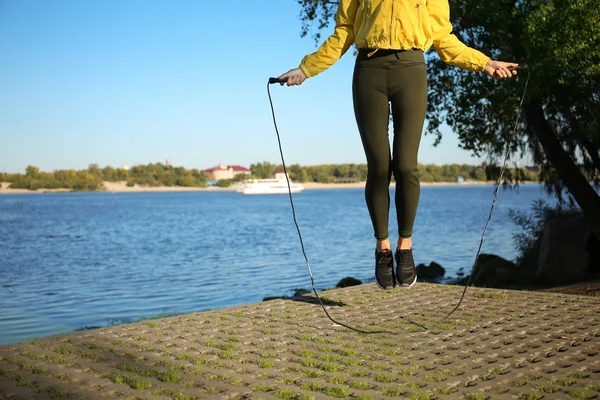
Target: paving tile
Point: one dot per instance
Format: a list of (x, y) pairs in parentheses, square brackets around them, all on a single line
[(500, 344)]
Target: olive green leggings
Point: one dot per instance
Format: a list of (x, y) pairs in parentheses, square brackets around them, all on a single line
[(399, 78)]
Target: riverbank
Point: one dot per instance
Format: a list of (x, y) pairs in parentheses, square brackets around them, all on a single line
[(121, 187)]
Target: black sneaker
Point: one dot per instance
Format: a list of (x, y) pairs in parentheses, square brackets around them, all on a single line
[(384, 270), (406, 273)]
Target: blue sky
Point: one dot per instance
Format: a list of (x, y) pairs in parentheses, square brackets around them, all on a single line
[(119, 82)]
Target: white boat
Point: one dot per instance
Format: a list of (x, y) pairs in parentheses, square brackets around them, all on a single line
[(269, 186)]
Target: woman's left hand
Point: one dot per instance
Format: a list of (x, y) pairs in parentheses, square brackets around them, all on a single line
[(499, 69)]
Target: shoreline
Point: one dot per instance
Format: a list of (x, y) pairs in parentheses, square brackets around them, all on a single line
[(121, 187)]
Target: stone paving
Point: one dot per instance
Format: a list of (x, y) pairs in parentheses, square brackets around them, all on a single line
[(499, 344)]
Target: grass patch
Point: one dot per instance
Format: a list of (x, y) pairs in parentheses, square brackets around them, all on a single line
[(529, 396), (212, 389), (499, 371), (351, 361), (309, 363), (564, 381), (415, 385), (475, 396), (65, 350), (547, 388), (172, 393), (22, 382), (336, 380), (516, 383), (305, 353), (170, 377), (490, 295), (427, 367), (135, 382), (286, 380), (361, 385), (227, 347), (593, 386), (216, 377), (577, 375), (219, 365), (452, 372), (35, 369), (311, 386), (581, 394), (447, 390), (406, 372), (534, 376), (262, 388), (265, 364), (358, 373), (226, 355), (434, 378), (311, 373), (379, 367), (384, 378), (286, 394), (393, 392), (338, 392), (419, 396), (140, 371), (330, 368), (328, 357), (348, 352)]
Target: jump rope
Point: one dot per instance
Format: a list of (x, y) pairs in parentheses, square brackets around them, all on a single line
[(497, 190)]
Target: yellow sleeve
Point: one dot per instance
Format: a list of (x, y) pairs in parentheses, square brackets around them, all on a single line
[(337, 44), (450, 49)]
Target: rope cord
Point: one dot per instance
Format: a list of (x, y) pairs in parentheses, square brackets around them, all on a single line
[(497, 190)]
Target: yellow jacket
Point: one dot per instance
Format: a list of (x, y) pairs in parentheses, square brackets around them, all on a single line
[(393, 24)]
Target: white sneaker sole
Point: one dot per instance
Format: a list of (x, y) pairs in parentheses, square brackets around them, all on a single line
[(383, 288), (407, 286)]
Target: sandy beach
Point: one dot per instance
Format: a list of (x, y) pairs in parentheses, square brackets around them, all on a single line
[(121, 187)]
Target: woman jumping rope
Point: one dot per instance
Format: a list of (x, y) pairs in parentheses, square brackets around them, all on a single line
[(391, 37)]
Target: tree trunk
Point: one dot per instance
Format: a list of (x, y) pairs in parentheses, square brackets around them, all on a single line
[(569, 172), (579, 135)]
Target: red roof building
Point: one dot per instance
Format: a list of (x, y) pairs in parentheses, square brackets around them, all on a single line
[(222, 171)]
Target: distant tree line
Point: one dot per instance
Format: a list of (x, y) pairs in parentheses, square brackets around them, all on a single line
[(92, 178), (162, 175), (332, 173)]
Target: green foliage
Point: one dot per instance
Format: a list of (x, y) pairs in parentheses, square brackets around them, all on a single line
[(169, 377), (347, 173), (67, 179), (263, 170), (224, 182), (528, 241), (339, 392), (32, 171), (559, 41), (92, 178), (166, 175)]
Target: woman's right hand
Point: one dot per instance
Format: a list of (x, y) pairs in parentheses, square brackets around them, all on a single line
[(294, 77)]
